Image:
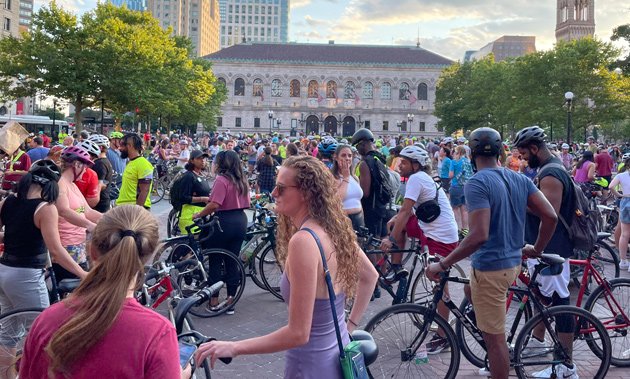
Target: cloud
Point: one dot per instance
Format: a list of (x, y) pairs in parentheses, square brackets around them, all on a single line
[(310, 21), (300, 3)]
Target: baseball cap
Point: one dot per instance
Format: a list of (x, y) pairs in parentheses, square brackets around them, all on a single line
[(198, 153)]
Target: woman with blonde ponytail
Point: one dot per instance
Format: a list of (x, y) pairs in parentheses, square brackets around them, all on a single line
[(101, 331)]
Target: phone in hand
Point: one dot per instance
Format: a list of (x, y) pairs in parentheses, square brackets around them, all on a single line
[(186, 353)]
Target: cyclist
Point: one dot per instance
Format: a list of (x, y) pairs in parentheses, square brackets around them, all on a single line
[(184, 153), (113, 154), (88, 183), (104, 171), (460, 172), (79, 337), (555, 184), (194, 188), (566, 157), (18, 165), (623, 179), (137, 179), (604, 167), (440, 234), (266, 168), (326, 149), (584, 171), (349, 189), (497, 199)]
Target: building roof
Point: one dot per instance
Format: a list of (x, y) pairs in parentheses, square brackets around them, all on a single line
[(317, 54)]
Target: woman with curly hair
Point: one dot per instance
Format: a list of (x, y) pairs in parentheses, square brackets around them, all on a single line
[(306, 197)]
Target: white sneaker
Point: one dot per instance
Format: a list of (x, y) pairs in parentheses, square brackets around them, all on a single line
[(484, 372), (624, 264), (536, 348), (562, 372)]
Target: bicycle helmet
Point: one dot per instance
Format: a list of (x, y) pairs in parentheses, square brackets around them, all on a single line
[(531, 134), (45, 170), (565, 146), (448, 140), (417, 154), (485, 141), (90, 147), (116, 135), (625, 156), (601, 182), (461, 139), (76, 153), (327, 146), (362, 134), (420, 145), (99, 140)]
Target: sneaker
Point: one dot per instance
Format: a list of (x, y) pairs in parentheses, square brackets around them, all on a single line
[(624, 265), (562, 372), (536, 348), (230, 311), (396, 273), (484, 372), (437, 345)]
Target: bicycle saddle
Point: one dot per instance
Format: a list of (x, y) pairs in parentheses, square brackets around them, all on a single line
[(602, 235), (551, 259), (367, 345), (68, 285)]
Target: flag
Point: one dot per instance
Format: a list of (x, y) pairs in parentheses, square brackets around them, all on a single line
[(412, 98)]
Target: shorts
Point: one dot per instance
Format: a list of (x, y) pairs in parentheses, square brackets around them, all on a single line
[(552, 283), (376, 224), (457, 196), (77, 252), (435, 247), (446, 184), (488, 290), (624, 207), (357, 220)]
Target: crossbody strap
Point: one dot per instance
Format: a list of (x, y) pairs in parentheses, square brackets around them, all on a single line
[(331, 291)]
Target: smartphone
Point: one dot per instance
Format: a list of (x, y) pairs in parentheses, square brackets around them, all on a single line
[(186, 352)]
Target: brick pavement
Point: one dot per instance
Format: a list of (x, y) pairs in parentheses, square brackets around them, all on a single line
[(259, 313)]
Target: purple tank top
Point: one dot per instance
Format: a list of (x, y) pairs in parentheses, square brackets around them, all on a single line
[(581, 174)]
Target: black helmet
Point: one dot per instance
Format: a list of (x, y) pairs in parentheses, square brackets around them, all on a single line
[(531, 134), (485, 141), (362, 134), (44, 171)]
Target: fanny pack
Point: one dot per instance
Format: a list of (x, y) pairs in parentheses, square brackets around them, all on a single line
[(429, 211)]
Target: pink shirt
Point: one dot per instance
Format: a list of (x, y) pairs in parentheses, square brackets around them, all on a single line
[(581, 174), (71, 234), (140, 344), (226, 195)]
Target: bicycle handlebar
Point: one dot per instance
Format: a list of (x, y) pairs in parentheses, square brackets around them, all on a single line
[(184, 305), (154, 273), (199, 339), (203, 224)]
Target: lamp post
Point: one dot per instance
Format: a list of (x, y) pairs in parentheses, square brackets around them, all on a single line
[(569, 98), (410, 121), (102, 113), (270, 114)]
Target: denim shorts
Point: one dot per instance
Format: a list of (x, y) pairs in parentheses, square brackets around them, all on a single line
[(624, 210), (457, 196)]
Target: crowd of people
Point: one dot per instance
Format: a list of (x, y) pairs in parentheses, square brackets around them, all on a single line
[(460, 197)]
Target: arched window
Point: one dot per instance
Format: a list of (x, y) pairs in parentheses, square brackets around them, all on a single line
[(257, 89), (368, 90), (386, 91), (313, 90), (331, 90), (404, 91), (239, 87), (221, 81), (422, 91), (294, 90), (348, 90), (276, 88)]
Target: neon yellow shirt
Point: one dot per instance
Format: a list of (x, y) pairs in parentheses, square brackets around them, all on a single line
[(136, 170), (282, 150)]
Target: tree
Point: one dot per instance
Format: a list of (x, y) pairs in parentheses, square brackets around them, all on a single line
[(50, 112), (620, 33)]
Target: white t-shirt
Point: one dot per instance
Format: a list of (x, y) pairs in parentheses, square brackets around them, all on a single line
[(185, 154), (624, 181), (420, 188)]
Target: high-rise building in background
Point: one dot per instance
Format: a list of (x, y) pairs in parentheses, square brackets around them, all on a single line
[(26, 15), (135, 5), (9, 18), (505, 47), (575, 19), (196, 19), (254, 21)]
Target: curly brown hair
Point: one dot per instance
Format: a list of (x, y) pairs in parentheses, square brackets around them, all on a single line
[(318, 185)]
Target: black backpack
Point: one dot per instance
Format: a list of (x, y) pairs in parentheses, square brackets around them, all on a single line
[(381, 188), (176, 191)]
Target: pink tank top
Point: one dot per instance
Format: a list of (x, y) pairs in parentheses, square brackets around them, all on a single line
[(581, 174), (72, 234)]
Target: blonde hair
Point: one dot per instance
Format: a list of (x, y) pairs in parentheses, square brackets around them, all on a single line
[(318, 186), (125, 239), (460, 150)]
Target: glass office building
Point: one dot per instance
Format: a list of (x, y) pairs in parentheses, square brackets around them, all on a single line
[(254, 21)]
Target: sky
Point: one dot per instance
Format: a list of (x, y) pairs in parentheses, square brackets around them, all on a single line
[(447, 27)]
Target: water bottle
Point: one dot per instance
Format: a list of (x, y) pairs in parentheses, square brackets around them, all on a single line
[(421, 356)]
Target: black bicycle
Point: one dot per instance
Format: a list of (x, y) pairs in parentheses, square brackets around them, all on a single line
[(403, 331)]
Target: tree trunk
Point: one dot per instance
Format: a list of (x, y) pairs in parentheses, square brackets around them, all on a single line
[(78, 119)]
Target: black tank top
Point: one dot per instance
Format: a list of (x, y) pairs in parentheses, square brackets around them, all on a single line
[(23, 242)]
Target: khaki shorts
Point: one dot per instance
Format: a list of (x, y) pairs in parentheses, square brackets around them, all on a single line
[(489, 290)]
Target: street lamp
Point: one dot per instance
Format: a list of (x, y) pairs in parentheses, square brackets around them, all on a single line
[(618, 71), (399, 125), (410, 121), (270, 114), (569, 98)]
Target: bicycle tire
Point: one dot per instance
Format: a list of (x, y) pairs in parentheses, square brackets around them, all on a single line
[(422, 288), (157, 191), (608, 255), (609, 317), (252, 262), (8, 320), (172, 224), (583, 320), (395, 318), (469, 346), (204, 310), (270, 271)]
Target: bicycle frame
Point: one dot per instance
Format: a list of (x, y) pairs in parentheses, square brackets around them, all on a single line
[(398, 296)]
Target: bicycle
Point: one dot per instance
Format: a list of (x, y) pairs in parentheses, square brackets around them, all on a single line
[(414, 324)]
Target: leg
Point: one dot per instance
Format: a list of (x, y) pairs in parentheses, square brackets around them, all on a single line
[(458, 216), (623, 241), (498, 357)]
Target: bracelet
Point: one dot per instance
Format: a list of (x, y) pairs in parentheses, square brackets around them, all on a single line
[(392, 240), (352, 322), (444, 267)]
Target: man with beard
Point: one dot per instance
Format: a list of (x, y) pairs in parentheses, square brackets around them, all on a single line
[(138, 176)]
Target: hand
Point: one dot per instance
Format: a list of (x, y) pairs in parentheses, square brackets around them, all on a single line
[(196, 215), (530, 252), (433, 272), (187, 372), (344, 168), (83, 274), (390, 223), (386, 245), (90, 227), (214, 350)]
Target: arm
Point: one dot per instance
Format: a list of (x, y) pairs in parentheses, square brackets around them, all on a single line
[(143, 187), (68, 214), (365, 288), (613, 187), (539, 205), (398, 233), (591, 171), (365, 179), (93, 215), (207, 210), (93, 201), (47, 220)]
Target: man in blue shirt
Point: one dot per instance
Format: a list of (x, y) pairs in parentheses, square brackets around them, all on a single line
[(37, 151), (497, 201)]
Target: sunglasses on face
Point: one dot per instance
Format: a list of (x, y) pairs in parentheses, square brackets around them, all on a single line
[(281, 187)]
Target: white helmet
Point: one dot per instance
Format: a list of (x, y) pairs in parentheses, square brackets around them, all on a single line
[(448, 140), (417, 154), (420, 145), (90, 147), (461, 139), (565, 146), (625, 156), (99, 140)]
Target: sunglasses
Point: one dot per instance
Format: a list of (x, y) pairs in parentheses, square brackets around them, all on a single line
[(281, 187)]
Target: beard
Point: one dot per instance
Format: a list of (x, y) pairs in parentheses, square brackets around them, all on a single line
[(124, 154), (534, 161)]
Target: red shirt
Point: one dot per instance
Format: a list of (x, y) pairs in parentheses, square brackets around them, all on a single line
[(46, 140), (225, 194), (88, 184), (604, 164), (140, 344), (147, 137), (23, 163)]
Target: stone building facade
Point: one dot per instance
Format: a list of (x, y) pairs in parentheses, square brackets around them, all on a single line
[(575, 19), (327, 88)]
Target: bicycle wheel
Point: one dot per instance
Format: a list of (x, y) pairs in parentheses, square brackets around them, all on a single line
[(157, 191), (270, 271), (228, 269), (172, 224), (590, 363), (612, 308), (608, 259), (14, 327), (422, 287), (472, 350), (395, 330), (250, 255)]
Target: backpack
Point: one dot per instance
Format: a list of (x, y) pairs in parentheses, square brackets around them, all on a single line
[(382, 187), (176, 191), (582, 227)]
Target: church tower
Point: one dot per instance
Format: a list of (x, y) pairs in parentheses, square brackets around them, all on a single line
[(575, 19)]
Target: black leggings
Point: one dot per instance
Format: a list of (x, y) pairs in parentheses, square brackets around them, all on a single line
[(234, 225)]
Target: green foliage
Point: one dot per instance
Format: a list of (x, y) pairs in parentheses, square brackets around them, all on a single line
[(49, 112), (622, 33), (110, 53), (530, 90)]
